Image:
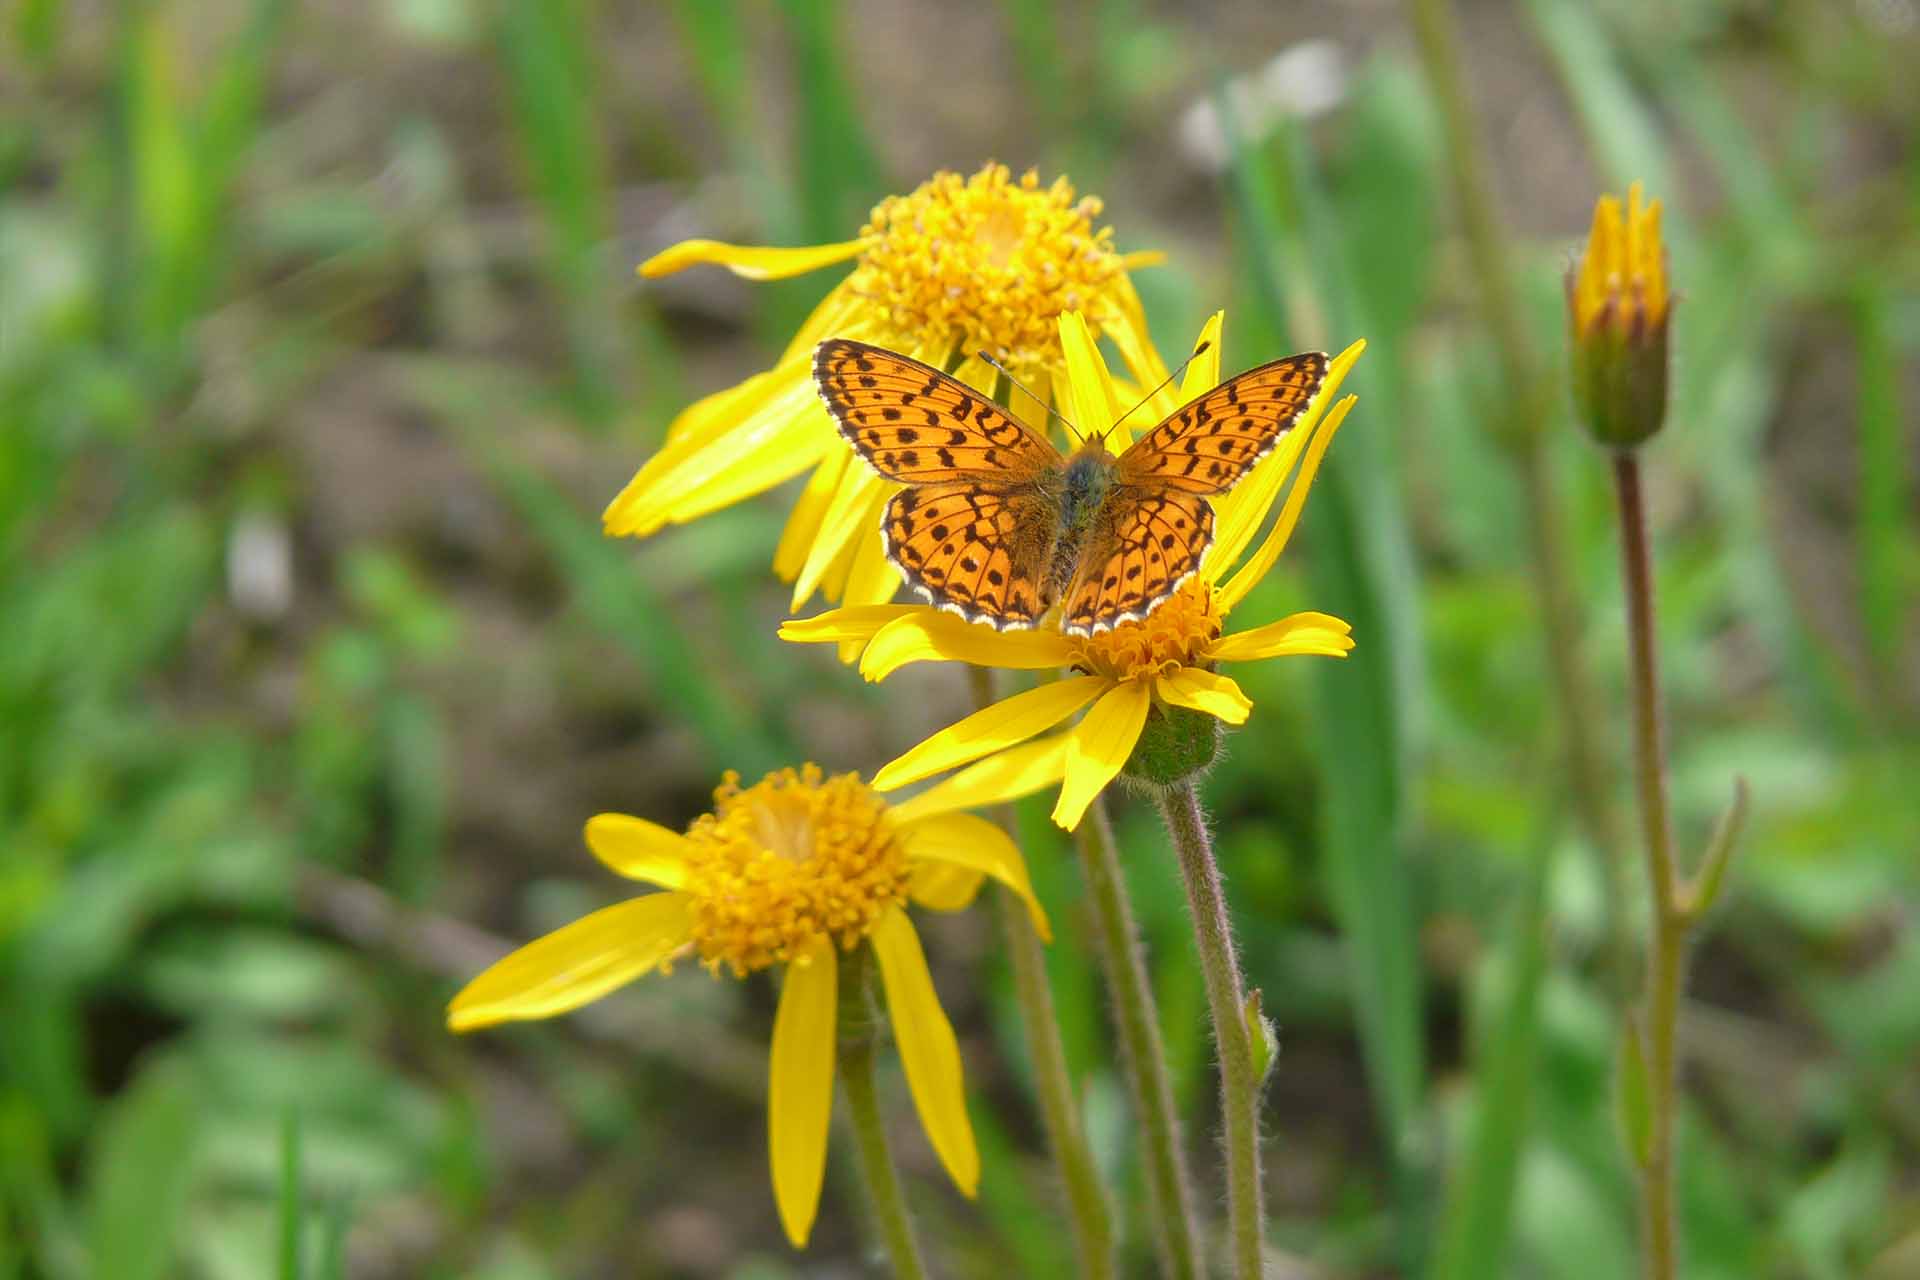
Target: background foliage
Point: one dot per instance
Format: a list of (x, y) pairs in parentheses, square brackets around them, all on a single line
[(320, 350)]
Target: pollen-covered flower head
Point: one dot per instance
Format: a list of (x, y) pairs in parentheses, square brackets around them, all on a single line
[(1618, 305), (958, 266), (794, 872), (1150, 688)]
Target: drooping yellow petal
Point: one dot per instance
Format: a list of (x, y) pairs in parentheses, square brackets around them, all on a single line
[(1006, 775), (782, 432), (928, 1050), (1203, 371), (1009, 721), (853, 513), (942, 886), (800, 1086), (929, 634), (639, 850), (1235, 589), (747, 260), (873, 579), (580, 963), (1320, 633), (803, 524), (1207, 691), (1090, 405), (965, 840), (854, 622), (1098, 746)]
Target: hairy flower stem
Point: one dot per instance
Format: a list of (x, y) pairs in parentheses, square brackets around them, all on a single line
[(1087, 1211), (1523, 435), (1143, 1051), (858, 1030), (1672, 917), (1232, 1036)]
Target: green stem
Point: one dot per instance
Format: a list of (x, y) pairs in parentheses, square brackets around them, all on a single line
[(858, 1031), (1232, 1037), (1143, 1051), (1665, 958), (1522, 432), (1087, 1210)]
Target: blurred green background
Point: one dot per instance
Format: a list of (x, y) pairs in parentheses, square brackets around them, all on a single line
[(320, 351)]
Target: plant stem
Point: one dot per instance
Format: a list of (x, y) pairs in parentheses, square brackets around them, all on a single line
[(1087, 1210), (1227, 1001), (1143, 1052), (858, 1030), (1665, 958), (1522, 432)]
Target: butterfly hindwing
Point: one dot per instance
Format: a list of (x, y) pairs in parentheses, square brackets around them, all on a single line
[(1208, 445), (1146, 542), (980, 553), (917, 425)]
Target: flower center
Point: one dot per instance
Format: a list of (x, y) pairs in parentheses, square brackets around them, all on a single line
[(1176, 634), (786, 861), (986, 262)]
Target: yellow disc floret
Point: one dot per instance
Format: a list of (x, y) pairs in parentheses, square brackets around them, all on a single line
[(1176, 634), (987, 263), (786, 861)]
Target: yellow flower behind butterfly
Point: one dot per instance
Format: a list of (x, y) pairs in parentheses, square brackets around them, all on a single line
[(960, 265), (788, 873), (1161, 666)]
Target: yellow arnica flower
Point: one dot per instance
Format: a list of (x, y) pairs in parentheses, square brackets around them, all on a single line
[(1618, 304), (1162, 666), (959, 266), (786, 873)]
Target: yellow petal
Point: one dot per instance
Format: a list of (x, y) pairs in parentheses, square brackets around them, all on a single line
[(841, 314), (873, 580), (639, 850), (1148, 369), (1142, 258), (803, 523), (964, 840), (1239, 514), (749, 261), (941, 886), (1207, 691), (1098, 746), (800, 1086), (1297, 633), (785, 432), (855, 622), (929, 634), (1006, 775), (1090, 406), (1236, 588), (580, 963), (1203, 371), (928, 1049), (853, 513), (712, 414), (991, 729)]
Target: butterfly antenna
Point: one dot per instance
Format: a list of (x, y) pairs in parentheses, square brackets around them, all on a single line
[(1077, 433), (1156, 391)]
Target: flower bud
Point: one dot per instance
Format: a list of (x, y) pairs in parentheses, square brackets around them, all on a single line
[(1618, 305)]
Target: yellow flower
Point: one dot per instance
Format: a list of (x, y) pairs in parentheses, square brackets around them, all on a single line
[(958, 266), (1618, 304), (785, 873), (1159, 669)]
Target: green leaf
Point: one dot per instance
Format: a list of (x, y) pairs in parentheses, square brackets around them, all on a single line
[(140, 1176)]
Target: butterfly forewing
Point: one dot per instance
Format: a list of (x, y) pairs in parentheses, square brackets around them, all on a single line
[(1207, 446), (918, 425), (973, 529), (1146, 543)]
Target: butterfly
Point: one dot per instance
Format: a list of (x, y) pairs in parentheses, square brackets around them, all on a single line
[(996, 525)]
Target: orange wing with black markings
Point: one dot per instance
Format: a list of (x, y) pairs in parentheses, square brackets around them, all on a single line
[(917, 425), (1147, 543), (1206, 447), (979, 553)]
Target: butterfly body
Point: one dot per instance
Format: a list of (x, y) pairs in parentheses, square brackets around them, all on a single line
[(994, 524)]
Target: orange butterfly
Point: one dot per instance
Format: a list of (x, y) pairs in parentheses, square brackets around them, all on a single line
[(997, 526)]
